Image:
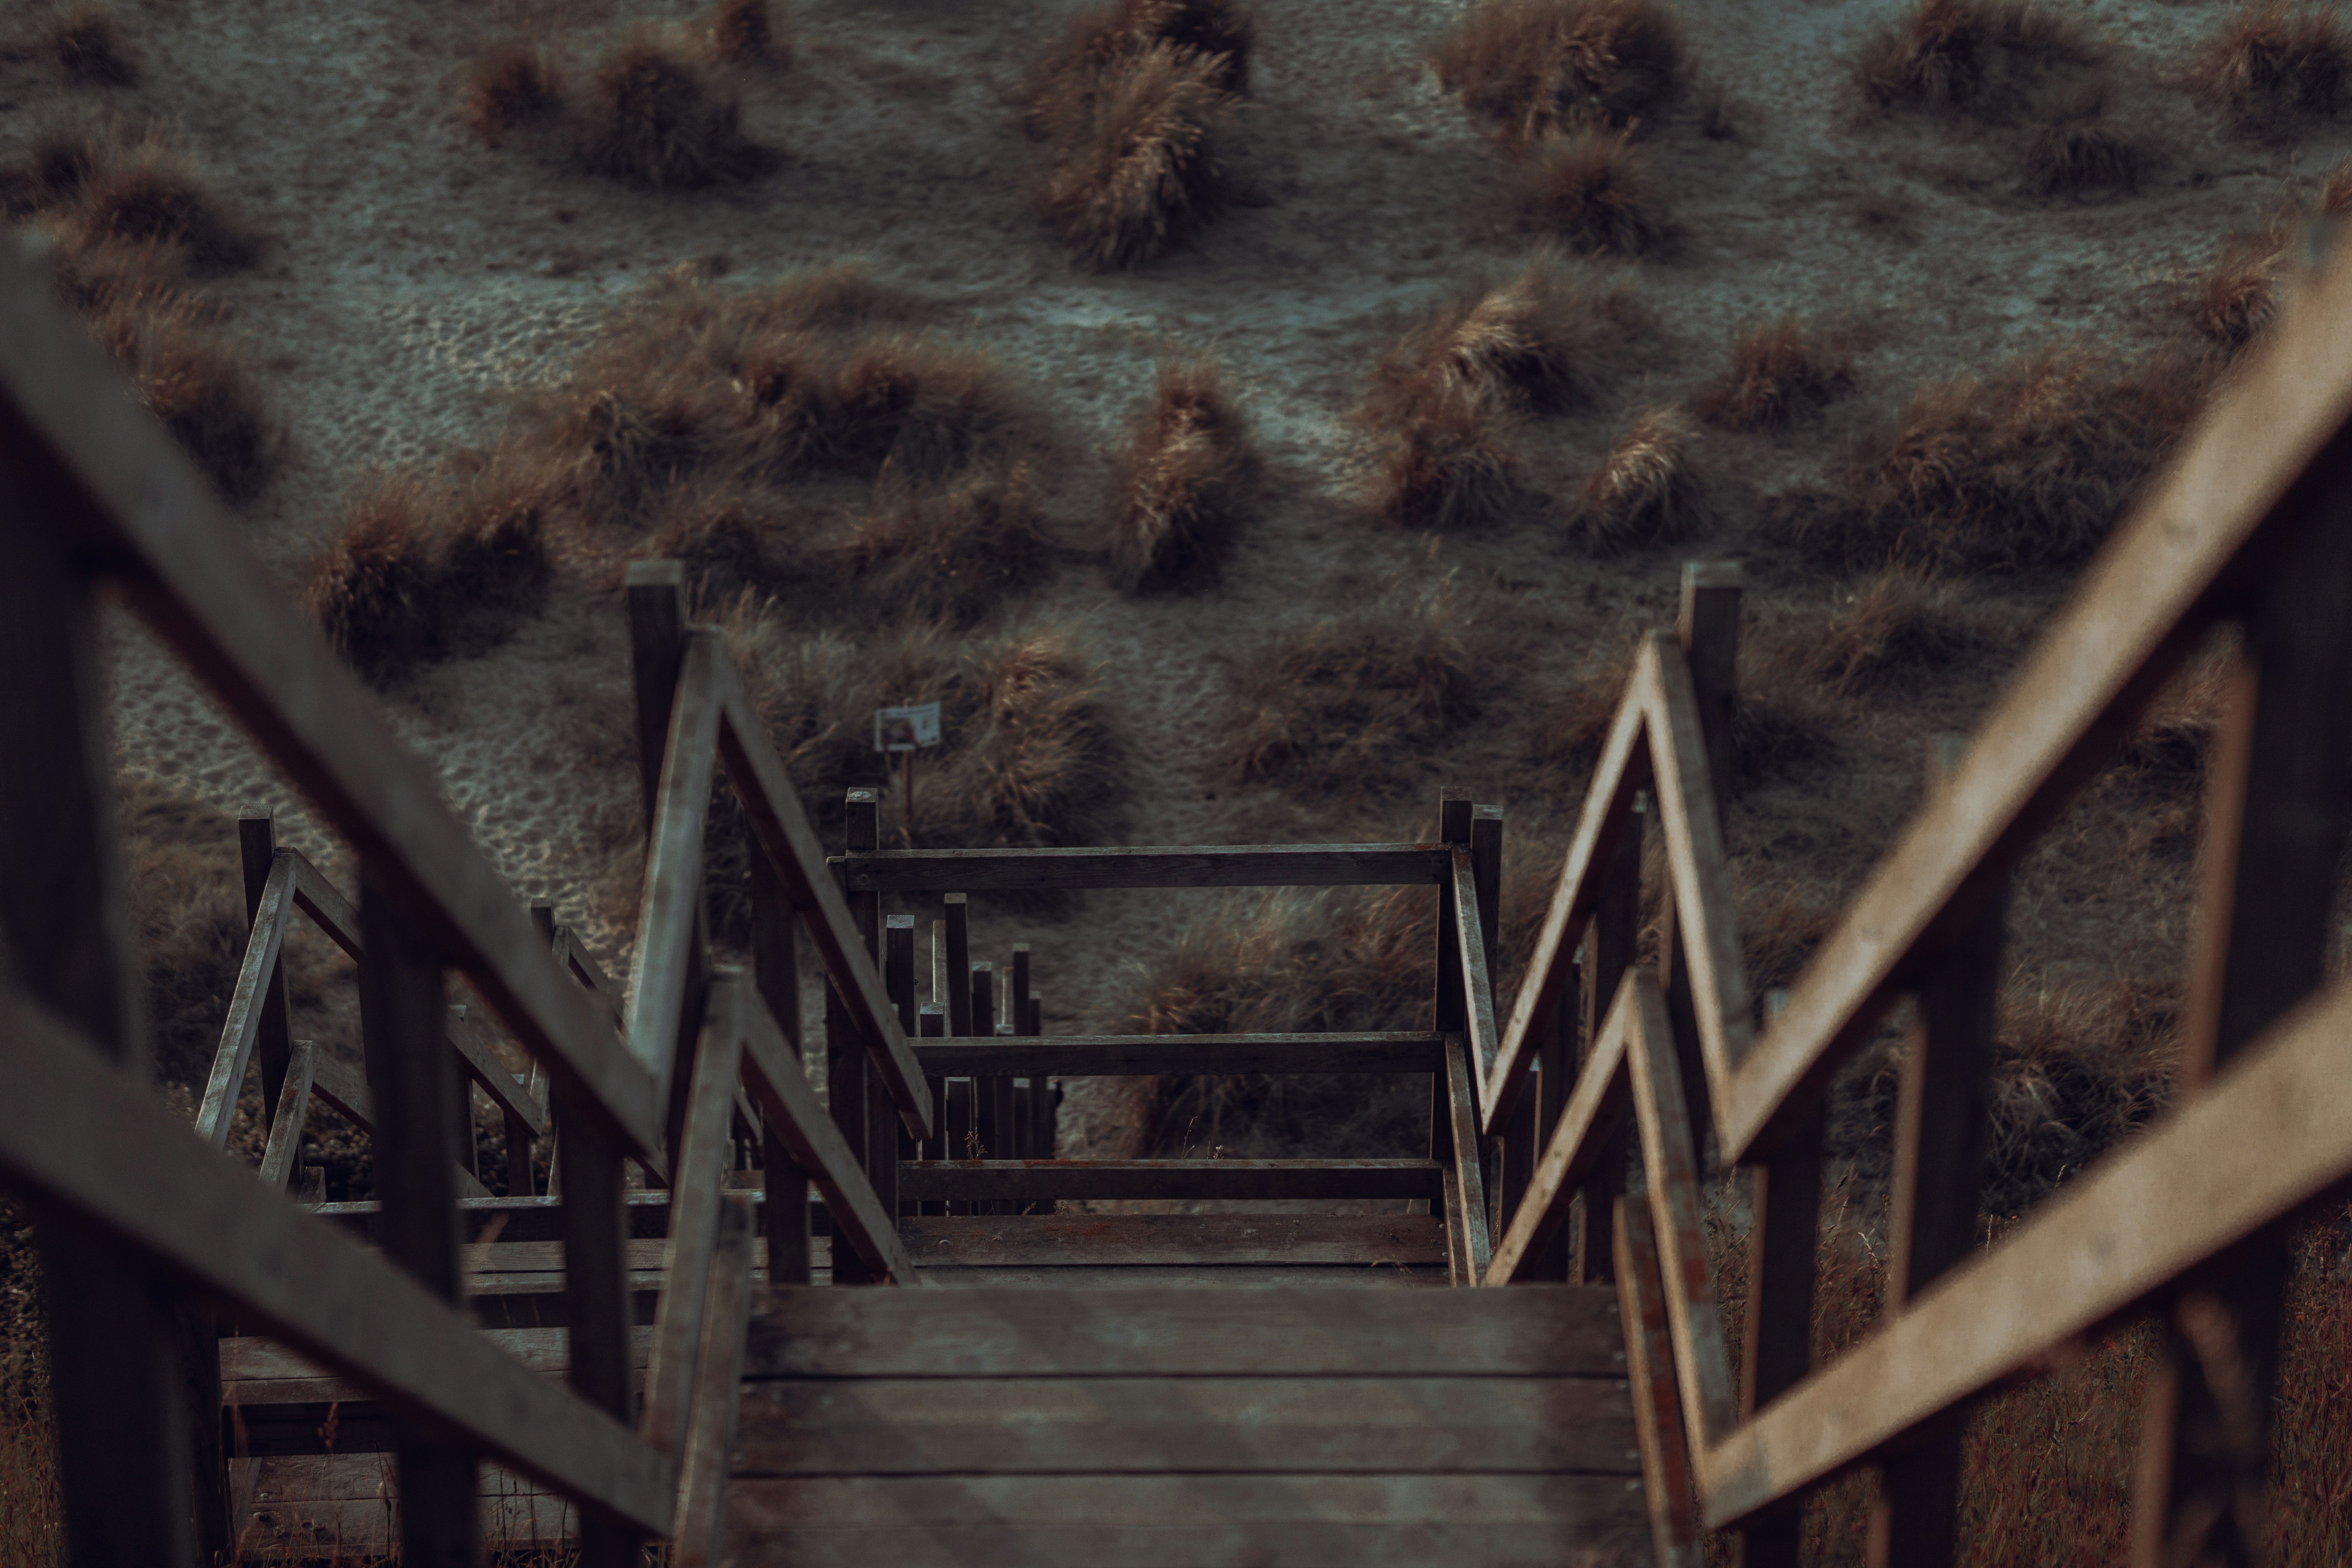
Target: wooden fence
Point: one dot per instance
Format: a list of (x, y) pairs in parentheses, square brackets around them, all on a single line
[(146, 1233), (2251, 525)]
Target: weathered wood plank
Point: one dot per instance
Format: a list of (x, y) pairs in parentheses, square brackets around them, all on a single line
[(1189, 1521), (1539, 1330), (699, 1176), (510, 1094), (242, 1028), (699, 1539), (1666, 1483), (2273, 1132), (332, 913), (1082, 1056), (1094, 1240), (1001, 1425), (781, 828), (286, 1126), (257, 846), (1467, 1219), (2142, 604), (668, 926), (1203, 866), (1471, 947), (807, 1132), (99, 1144), (1597, 1099), (1024, 1181)]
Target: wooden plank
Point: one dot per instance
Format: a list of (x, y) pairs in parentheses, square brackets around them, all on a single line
[(113, 1329), (583, 965), (1024, 1181), (1047, 1425), (1084, 1056), (1197, 865), (1610, 944), (699, 1539), (1187, 1522), (1598, 1100), (1093, 1240), (116, 483), (404, 1018), (791, 1108), (1702, 1364), (700, 1175), (84, 1137), (1311, 1331), (286, 1126), (257, 845), (776, 976), (1469, 1218), (1666, 1482), (332, 913), (253, 1363), (2273, 1132), (246, 1005), (958, 918), (510, 1094), (1472, 947), (782, 828), (2200, 528), (668, 924)]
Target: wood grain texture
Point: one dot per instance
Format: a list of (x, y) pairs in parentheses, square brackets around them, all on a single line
[(1095, 1240), (694, 1210), (1207, 865), (1190, 1521), (699, 1539), (1467, 1218), (242, 1028), (1541, 1331), (286, 1126), (2271, 1133), (1026, 1180), (998, 1425), (510, 1094), (320, 899), (1597, 1101), (772, 808), (101, 1146), (1667, 1486), (1083, 1055)]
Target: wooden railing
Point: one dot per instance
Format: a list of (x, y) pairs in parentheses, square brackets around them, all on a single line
[(146, 1230), (2252, 525)]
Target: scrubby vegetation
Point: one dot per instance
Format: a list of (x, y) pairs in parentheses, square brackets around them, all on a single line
[(90, 49), (2026, 466), (1592, 189), (1348, 705), (2074, 145), (1982, 58), (1528, 69), (1780, 372), (1885, 633), (1184, 483), (651, 113), (1138, 169), (746, 31), (2273, 66), (1644, 490), (137, 232)]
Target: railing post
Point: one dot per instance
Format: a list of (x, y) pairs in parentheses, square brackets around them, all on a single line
[(404, 1017), (118, 1369), (1708, 630), (849, 1084), (1939, 1137), (775, 975), (899, 979), (1609, 947), (2275, 833), (658, 639), (1454, 812), (273, 1042)]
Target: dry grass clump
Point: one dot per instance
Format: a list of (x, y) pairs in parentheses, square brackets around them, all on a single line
[(745, 32), (2168, 748), (1138, 171), (1889, 629), (1644, 491), (2075, 1072), (1453, 466), (187, 370), (1535, 68), (653, 118), (1185, 483), (144, 191), (91, 50), (2235, 297), (1977, 56), (2274, 65), (1575, 726), (1780, 372), (1542, 341), (1062, 88), (512, 83), (2027, 466), (1344, 705), (2074, 145), (1778, 723), (424, 572), (1591, 187), (951, 554)]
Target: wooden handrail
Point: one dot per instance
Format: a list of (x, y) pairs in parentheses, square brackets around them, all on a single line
[(1122, 866)]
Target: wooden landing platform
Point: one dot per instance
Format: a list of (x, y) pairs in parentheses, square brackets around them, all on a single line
[(1124, 1428)]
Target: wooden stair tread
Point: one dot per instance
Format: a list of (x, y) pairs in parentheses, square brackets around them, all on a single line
[(1097, 1240)]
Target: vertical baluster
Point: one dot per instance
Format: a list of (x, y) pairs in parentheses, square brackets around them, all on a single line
[(775, 975), (850, 1089), (988, 1108), (1708, 630), (1609, 944), (1454, 812), (898, 977)]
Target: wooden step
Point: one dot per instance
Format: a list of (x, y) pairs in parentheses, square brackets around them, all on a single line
[(1083, 1055), (1140, 1428), (1032, 1181), (1155, 1240)]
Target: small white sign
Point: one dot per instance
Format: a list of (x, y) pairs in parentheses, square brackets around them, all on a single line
[(907, 729)]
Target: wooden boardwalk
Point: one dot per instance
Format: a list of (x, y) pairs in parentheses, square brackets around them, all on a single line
[(1459, 1363)]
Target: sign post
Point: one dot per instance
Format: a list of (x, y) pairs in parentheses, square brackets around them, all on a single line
[(907, 730)]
